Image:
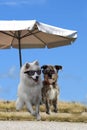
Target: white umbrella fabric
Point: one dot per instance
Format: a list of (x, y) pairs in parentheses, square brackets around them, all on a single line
[(33, 34)]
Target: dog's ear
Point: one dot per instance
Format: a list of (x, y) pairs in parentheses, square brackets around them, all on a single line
[(44, 67), (27, 65), (36, 62), (58, 67)]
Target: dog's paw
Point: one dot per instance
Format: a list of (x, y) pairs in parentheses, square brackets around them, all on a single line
[(18, 107), (33, 113), (55, 110), (38, 117), (48, 112)]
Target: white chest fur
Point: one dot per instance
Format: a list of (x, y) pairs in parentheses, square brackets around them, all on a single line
[(52, 92)]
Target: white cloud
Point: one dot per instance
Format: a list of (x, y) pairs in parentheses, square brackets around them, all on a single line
[(9, 3), (12, 73), (22, 2), (72, 77)]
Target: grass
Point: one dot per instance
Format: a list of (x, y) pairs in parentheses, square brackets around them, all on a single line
[(68, 111), (71, 107)]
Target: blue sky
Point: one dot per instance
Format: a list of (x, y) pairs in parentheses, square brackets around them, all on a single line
[(69, 14)]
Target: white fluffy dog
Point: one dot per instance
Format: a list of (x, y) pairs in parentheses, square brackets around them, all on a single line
[(29, 88)]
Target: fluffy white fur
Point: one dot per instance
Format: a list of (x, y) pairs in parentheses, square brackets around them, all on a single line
[(29, 91)]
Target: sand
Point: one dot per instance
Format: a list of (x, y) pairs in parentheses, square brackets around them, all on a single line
[(41, 125)]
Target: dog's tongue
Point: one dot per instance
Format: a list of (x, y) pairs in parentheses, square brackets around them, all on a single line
[(36, 80)]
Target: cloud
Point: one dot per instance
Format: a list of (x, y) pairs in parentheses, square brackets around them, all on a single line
[(72, 77), (8, 84), (21, 2), (9, 3), (12, 73)]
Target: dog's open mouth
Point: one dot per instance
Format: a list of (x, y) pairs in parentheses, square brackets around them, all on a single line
[(36, 79)]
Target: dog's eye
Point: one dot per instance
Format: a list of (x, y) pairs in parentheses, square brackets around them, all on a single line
[(38, 72), (52, 72), (31, 72), (45, 71)]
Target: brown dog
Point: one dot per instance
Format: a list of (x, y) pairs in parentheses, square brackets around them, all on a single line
[(50, 90)]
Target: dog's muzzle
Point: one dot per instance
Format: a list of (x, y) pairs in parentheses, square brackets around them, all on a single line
[(50, 76), (36, 79)]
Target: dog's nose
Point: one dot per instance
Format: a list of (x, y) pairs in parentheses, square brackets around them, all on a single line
[(37, 77), (50, 76)]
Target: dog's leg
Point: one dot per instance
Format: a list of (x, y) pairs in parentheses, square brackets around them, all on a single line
[(30, 109), (55, 104), (48, 111), (19, 104), (37, 112)]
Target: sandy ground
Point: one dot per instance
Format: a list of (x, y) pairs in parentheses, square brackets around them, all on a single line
[(41, 125)]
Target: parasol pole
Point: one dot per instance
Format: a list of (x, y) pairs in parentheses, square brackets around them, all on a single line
[(19, 41)]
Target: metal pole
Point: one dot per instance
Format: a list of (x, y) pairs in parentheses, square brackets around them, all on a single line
[(19, 42)]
